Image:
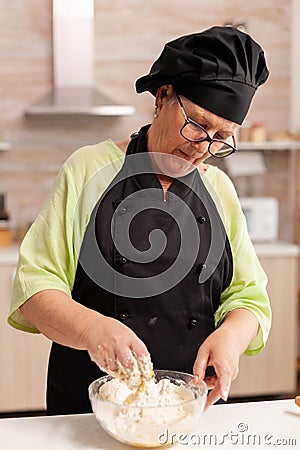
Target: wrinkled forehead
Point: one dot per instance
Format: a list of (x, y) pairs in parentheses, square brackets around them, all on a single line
[(200, 114)]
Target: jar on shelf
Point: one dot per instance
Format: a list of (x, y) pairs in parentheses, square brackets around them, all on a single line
[(5, 229), (258, 132), (243, 134)]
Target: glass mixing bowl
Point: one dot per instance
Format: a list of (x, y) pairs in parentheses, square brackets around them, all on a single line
[(150, 426)]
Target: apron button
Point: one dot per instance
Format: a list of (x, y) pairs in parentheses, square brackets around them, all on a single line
[(201, 267), (192, 323), (201, 219), (123, 260), (122, 317), (122, 210)]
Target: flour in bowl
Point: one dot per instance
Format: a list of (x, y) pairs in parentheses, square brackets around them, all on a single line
[(161, 393), (166, 402)]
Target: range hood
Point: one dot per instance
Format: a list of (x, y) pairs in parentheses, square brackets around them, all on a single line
[(73, 92)]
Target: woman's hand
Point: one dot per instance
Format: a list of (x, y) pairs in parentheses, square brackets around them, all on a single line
[(110, 342), (69, 323), (219, 351), (222, 350)]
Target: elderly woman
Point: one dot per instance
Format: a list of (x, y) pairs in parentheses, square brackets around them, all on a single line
[(142, 248)]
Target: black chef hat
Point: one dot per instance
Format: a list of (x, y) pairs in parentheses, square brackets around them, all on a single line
[(219, 69)]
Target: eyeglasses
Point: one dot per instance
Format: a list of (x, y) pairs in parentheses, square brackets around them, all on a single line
[(194, 132)]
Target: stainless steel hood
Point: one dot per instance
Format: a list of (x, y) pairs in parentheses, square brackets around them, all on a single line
[(73, 92), (85, 101)]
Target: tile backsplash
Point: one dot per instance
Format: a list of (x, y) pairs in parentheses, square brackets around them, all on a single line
[(129, 35)]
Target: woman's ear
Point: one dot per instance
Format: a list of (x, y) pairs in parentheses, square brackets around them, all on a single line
[(163, 93)]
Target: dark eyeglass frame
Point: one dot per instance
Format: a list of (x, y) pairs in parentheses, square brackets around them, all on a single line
[(207, 138)]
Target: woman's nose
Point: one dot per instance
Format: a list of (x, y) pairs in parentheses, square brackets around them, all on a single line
[(200, 147)]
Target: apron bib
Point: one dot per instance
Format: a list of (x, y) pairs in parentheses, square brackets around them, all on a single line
[(158, 286)]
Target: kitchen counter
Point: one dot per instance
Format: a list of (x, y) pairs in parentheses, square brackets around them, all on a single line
[(276, 249), (257, 425), (9, 255)]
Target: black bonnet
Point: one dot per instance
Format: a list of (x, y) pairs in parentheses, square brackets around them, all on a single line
[(219, 69)]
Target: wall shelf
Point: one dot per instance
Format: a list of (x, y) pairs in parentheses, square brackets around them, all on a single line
[(269, 145)]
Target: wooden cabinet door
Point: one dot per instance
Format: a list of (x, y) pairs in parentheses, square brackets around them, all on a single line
[(23, 358), (274, 370)]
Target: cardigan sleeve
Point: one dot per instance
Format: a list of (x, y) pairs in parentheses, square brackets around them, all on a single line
[(248, 285), (49, 253), (46, 257)]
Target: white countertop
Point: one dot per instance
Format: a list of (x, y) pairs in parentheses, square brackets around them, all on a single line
[(9, 255), (263, 425), (276, 249)]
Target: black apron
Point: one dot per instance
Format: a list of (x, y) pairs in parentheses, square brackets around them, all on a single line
[(172, 316)]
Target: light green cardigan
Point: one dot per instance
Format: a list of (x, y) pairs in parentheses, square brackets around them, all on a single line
[(49, 253)]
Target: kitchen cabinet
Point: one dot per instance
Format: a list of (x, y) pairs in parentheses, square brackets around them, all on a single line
[(23, 356), (274, 370)]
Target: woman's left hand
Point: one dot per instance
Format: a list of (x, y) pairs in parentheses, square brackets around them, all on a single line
[(222, 350), (219, 351)]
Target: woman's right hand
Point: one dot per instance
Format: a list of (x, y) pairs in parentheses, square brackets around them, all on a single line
[(63, 320), (109, 341)]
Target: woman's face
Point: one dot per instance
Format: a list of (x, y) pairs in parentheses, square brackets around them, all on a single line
[(172, 154)]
